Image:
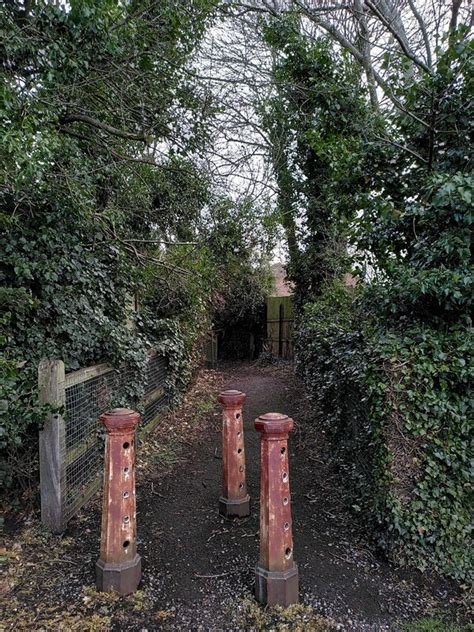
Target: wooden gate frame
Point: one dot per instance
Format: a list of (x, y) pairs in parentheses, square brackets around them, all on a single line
[(280, 318)]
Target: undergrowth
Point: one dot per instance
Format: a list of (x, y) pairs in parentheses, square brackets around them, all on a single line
[(295, 618)]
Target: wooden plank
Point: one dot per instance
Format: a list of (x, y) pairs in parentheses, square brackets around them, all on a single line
[(80, 449), (52, 445), (277, 320), (89, 372), (155, 394), (151, 425), (273, 306), (277, 339), (89, 490)]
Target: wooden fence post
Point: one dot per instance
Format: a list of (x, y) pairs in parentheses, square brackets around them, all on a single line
[(52, 445)]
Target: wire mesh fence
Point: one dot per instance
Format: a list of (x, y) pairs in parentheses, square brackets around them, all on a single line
[(72, 445), (85, 401)]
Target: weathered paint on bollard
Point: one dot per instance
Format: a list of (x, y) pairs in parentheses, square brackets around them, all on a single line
[(276, 572), (234, 500), (119, 566)]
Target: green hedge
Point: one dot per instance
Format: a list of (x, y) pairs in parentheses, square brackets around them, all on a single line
[(397, 406), (390, 367)]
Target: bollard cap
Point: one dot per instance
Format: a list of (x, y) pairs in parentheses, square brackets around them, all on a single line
[(274, 423), (232, 398), (120, 419)]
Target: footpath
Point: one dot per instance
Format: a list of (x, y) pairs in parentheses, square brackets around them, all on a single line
[(198, 568)]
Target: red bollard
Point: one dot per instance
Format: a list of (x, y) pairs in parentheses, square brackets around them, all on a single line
[(276, 572), (119, 566), (234, 500)]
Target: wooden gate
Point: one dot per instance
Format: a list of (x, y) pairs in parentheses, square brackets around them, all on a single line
[(280, 318), (210, 350)]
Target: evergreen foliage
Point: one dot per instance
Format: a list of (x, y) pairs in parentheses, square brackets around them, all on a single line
[(103, 203), (391, 369)]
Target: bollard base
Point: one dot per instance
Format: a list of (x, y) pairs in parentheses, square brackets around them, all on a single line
[(276, 588), (121, 578), (234, 508)]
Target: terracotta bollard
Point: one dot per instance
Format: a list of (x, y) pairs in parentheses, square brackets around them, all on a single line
[(234, 500), (276, 572), (119, 566)]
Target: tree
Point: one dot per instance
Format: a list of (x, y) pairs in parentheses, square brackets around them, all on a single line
[(101, 119)]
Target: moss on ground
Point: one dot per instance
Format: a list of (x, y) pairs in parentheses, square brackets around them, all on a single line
[(435, 625), (297, 618)]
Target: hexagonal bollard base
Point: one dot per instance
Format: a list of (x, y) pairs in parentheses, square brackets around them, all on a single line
[(234, 508), (121, 578), (276, 587)]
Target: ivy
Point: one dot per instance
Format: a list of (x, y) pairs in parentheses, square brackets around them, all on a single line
[(389, 362), (90, 221), (390, 367)]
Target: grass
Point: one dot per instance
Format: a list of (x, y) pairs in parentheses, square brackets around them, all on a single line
[(166, 457), (202, 409), (434, 625), (296, 618), (165, 451)]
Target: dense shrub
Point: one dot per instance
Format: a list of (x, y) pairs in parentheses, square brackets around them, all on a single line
[(389, 365), (103, 203)]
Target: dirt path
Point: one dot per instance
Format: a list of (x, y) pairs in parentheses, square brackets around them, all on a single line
[(198, 569)]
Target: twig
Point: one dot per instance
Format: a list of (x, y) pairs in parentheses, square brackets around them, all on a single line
[(250, 535), (155, 493), (218, 575), (214, 533), (343, 559)]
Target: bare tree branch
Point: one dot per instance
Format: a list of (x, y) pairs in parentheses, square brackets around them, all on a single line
[(365, 49), (454, 15), (343, 41), (424, 32), (88, 120), (401, 39), (389, 141)]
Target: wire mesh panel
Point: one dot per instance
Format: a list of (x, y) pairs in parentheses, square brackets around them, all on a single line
[(152, 409), (87, 394), (155, 398), (85, 401), (156, 373)]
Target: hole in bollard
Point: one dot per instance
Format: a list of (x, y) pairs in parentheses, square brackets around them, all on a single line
[(126, 519), (286, 526), (238, 434), (126, 543), (125, 469), (283, 450), (285, 477), (237, 416), (241, 485), (241, 468), (288, 553), (126, 445), (125, 494), (285, 500), (239, 450)]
